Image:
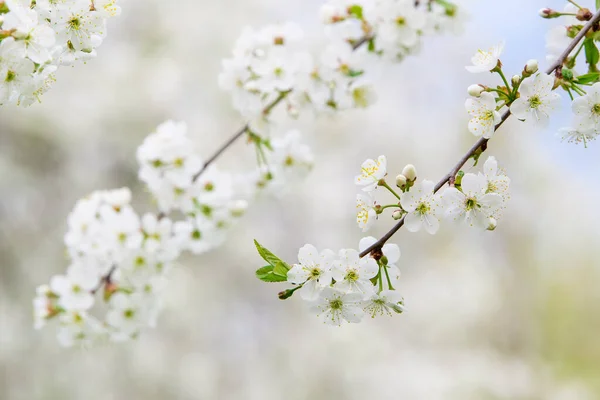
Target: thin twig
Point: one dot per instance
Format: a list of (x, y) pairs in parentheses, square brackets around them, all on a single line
[(482, 143)]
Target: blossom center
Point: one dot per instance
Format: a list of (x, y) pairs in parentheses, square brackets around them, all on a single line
[(351, 276), (535, 101), (596, 109), (336, 304), (471, 203), (489, 114), (315, 273), (401, 21), (74, 23), (129, 313), (10, 76), (422, 208)]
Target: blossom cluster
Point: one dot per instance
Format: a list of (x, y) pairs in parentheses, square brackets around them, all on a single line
[(272, 64), (37, 37), (583, 87), (475, 198), (121, 258), (344, 287)]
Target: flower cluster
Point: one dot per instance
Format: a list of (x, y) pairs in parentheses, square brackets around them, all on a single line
[(586, 107), (111, 248), (123, 259), (340, 286), (475, 198), (272, 65), (37, 37)]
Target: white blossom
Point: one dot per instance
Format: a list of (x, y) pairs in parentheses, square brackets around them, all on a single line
[(422, 206), (471, 204), (353, 274), (313, 271), (484, 116), (371, 172), (486, 60), (336, 306), (537, 99), (365, 211)]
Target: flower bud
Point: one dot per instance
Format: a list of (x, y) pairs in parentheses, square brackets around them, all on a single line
[(548, 13), (516, 80), (531, 67), (492, 223), (410, 173), (584, 14), (286, 294), (475, 90), (328, 14), (238, 208), (397, 215), (401, 181)]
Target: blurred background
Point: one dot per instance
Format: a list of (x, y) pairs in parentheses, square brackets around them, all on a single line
[(513, 314)]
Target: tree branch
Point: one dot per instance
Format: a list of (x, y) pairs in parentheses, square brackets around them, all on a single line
[(482, 143)]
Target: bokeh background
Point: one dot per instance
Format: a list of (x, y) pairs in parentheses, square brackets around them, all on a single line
[(513, 314)]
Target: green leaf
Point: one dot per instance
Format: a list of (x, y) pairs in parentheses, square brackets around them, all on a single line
[(357, 11), (588, 78), (371, 47), (592, 56), (280, 270), (354, 73), (266, 274), (269, 257)]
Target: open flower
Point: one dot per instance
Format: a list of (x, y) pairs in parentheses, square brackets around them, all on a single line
[(485, 61), (371, 172), (336, 306), (484, 116), (313, 270), (422, 206), (352, 273), (472, 205), (537, 99)]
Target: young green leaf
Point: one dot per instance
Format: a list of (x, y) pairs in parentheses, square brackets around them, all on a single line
[(592, 77), (357, 11), (592, 56), (270, 257), (266, 274)]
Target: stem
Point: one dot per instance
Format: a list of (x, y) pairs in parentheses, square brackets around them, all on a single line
[(380, 278), (385, 185), (265, 111), (389, 206), (575, 4), (387, 275), (499, 71), (482, 143)]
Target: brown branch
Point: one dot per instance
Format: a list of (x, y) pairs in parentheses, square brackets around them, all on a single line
[(482, 143), (265, 112)]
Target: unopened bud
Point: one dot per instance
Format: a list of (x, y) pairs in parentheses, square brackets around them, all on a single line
[(410, 173), (567, 74), (401, 181), (584, 14), (286, 294), (549, 13), (516, 80), (492, 223), (399, 308), (238, 208), (397, 215), (475, 90), (531, 67)]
